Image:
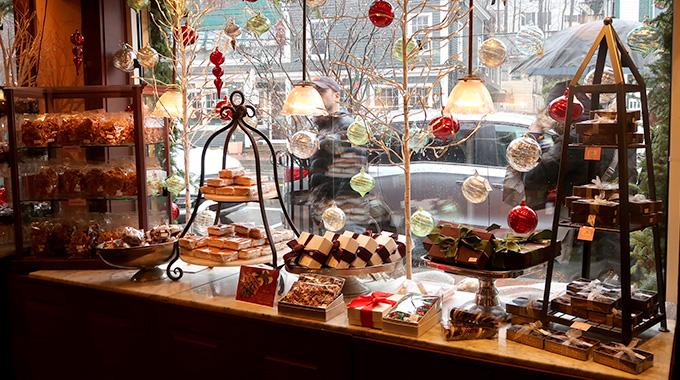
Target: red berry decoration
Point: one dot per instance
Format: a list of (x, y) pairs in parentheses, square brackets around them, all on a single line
[(77, 39), (522, 219), (444, 127), (381, 13), (218, 108), (557, 109), (217, 58), (189, 36)]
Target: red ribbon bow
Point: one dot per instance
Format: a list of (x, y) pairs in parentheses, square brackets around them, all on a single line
[(366, 304)]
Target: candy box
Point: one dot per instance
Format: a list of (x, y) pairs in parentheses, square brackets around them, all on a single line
[(524, 307), (631, 116), (596, 300), (616, 357), (614, 318), (520, 320), (571, 344), (631, 138), (640, 205), (591, 190), (579, 284), (569, 200), (315, 297), (646, 219), (602, 127), (599, 220), (531, 334), (462, 245), (643, 300), (523, 255), (561, 304), (369, 310), (413, 315), (598, 207)]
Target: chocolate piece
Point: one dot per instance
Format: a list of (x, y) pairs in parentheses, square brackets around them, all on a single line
[(160, 234)]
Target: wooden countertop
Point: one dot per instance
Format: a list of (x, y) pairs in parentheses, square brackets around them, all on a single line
[(214, 290)]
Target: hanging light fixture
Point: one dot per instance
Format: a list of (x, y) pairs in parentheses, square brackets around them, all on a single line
[(304, 99), (169, 104), (470, 95)]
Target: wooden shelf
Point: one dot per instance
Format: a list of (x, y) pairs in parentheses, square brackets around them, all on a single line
[(230, 198)]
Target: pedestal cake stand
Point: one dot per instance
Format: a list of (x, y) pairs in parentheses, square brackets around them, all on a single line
[(486, 300)]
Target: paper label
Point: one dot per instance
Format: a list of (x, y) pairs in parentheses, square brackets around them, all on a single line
[(77, 202), (586, 233), (487, 185), (581, 326), (593, 153)]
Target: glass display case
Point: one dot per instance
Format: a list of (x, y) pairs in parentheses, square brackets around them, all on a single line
[(76, 173)]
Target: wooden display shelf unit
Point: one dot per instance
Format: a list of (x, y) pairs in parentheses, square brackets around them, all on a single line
[(607, 43)]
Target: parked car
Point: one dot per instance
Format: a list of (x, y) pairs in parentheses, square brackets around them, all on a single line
[(436, 183)]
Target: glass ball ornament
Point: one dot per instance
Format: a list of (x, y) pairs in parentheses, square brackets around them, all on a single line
[(644, 39), (444, 127), (334, 218), (523, 153), (357, 132), (422, 223), (218, 108), (418, 139), (381, 13), (557, 109), (316, 3), (204, 219), (216, 58), (147, 57), (476, 188), (124, 59), (522, 219), (175, 184), (137, 5), (529, 40), (492, 52), (303, 144), (232, 30), (362, 182), (412, 49), (258, 24)]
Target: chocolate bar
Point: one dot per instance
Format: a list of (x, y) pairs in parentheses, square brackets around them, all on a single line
[(220, 230), (192, 242), (232, 172), (219, 182)]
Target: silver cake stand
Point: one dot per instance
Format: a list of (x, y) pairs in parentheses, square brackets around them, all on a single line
[(486, 300), (353, 287)]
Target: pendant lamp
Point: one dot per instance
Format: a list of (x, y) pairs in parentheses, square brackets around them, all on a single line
[(169, 104), (470, 95), (304, 99)]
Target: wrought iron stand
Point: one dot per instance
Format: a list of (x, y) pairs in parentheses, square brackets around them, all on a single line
[(239, 110)]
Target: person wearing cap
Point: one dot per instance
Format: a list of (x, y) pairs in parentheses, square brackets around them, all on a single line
[(336, 161)]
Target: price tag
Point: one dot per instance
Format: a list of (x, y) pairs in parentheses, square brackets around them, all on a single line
[(593, 153), (581, 326), (487, 185), (586, 233), (77, 202)]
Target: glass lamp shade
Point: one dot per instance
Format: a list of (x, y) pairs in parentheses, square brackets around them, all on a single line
[(470, 96), (169, 104), (304, 100)]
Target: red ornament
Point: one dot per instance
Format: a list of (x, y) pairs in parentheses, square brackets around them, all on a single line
[(444, 127), (381, 13), (522, 219), (218, 108), (216, 57), (557, 109), (77, 38), (175, 211), (189, 36)]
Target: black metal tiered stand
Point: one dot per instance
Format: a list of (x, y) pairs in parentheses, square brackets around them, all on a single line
[(239, 111), (608, 42)]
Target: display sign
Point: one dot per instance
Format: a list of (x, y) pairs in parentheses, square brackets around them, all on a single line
[(257, 285)]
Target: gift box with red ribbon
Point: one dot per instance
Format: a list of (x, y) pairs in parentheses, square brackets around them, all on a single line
[(368, 310)]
